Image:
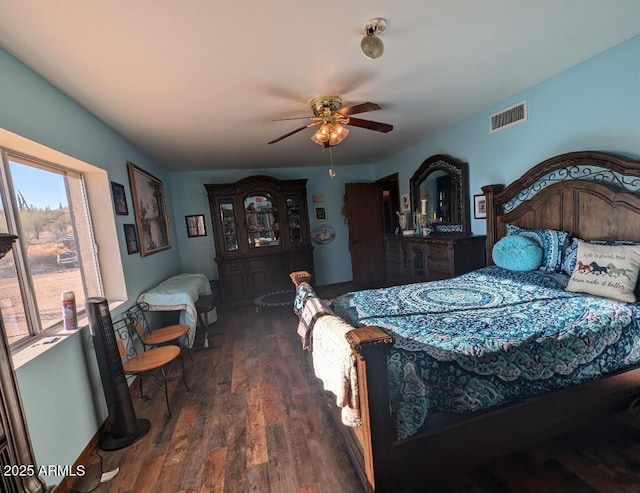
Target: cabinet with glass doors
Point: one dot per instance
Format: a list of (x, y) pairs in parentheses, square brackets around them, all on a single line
[(261, 231)]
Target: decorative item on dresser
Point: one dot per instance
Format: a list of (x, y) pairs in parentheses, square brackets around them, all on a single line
[(261, 231)]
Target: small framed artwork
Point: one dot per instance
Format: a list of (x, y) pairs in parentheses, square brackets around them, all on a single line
[(479, 207), (195, 225), (119, 199), (131, 238), (406, 202), (320, 212)]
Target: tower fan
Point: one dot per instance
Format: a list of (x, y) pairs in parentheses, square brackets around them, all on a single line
[(125, 427)]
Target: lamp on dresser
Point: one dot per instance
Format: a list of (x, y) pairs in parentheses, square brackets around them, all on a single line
[(15, 446)]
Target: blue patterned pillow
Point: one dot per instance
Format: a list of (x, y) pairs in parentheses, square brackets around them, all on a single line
[(517, 252), (550, 240), (569, 257)]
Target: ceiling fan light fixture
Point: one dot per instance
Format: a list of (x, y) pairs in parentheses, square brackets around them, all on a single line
[(371, 45), (338, 134), (331, 133), (321, 135)]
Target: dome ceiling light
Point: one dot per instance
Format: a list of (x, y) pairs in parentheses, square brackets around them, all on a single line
[(371, 45)]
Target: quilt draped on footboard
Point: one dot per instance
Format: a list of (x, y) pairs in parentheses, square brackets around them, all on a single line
[(333, 360)]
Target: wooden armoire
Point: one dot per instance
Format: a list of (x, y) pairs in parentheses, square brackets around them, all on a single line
[(261, 231)]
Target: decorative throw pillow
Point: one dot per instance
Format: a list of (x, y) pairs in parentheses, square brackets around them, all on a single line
[(569, 255), (517, 253), (550, 240), (610, 271)]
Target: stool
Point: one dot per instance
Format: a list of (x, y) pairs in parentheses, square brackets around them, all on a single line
[(204, 305)]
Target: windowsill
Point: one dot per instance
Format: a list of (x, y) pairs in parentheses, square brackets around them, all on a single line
[(37, 347)]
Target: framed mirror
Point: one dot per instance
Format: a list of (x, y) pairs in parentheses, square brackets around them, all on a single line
[(440, 187)]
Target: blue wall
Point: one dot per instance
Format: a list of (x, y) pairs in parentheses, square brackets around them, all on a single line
[(594, 105), (62, 397), (332, 262)]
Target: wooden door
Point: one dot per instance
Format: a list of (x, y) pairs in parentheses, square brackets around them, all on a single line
[(364, 214)]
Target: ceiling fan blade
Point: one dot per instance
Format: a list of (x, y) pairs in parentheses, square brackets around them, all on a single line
[(368, 124), (291, 133), (293, 118), (359, 108)]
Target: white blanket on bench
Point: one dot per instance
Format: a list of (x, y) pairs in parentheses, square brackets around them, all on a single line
[(179, 293)]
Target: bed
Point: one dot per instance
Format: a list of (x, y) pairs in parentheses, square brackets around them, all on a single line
[(499, 381)]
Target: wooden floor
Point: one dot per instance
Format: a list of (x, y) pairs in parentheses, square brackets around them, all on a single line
[(253, 421)]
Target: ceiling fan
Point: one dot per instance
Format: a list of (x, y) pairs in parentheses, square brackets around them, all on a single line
[(331, 118)]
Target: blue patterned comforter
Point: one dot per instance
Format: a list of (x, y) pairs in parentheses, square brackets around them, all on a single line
[(491, 337)]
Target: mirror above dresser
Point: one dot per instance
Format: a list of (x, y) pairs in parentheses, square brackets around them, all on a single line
[(441, 187), (440, 191)]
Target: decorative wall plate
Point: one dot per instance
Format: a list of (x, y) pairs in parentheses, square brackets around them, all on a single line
[(323, 234)]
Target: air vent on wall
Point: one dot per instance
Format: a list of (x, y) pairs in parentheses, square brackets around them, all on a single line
[(510, 116)]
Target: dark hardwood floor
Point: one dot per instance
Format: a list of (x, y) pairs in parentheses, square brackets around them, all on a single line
[(255, 421)]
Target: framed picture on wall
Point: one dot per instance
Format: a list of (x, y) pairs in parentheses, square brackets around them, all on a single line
[(119, 199), (195, 225), (320, 212), (479, 207), (149, 209), (406, 202), (131, 238)]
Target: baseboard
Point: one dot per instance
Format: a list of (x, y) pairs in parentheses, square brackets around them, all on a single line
[(64, 486)]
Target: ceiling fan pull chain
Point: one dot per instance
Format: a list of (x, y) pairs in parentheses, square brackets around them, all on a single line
[(332, 174)]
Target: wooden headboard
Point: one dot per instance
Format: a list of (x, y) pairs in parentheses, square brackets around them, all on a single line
[(592, 195)]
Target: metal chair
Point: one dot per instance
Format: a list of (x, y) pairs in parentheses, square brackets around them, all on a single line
[(142, 362), (166, 335)]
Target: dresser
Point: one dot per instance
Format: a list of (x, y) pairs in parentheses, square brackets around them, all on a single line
[(261, 231), (431, 258)]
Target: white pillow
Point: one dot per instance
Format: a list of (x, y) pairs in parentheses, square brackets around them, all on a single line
[(605, 270)]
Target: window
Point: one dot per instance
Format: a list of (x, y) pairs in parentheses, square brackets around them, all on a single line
[(46, 206)]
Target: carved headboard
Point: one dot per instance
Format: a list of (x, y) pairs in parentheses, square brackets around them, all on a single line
[(592, 195)]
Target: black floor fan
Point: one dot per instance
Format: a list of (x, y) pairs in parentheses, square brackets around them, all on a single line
[(124, 428)]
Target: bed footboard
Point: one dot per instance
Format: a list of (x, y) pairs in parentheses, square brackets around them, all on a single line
[(371, 346), (370, 445)]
